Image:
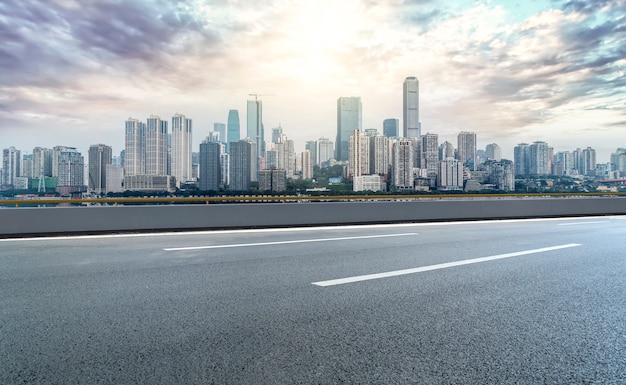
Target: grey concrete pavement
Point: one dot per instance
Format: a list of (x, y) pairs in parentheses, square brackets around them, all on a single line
[(122, 310)]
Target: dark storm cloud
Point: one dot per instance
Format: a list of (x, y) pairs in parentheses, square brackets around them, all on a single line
[(59, 42)]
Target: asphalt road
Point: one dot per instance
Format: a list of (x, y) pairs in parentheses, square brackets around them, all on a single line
[(500, 302)]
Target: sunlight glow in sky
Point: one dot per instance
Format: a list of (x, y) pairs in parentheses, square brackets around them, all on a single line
[(73, 72)]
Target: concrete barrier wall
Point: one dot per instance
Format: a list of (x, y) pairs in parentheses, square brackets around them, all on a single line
[(101, 219)]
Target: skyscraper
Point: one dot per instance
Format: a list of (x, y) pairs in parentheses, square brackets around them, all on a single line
[(71, 172), (325, 151), (11, 161), (411, 126), (276, 133), (181, 164), (234, 129), (349, 118), (255, 125), (243, 156), (210, 168), (311, 145), (156, 146), (521, 159), (100, 156), (42, 162), (494, 152), (402, 164), (135, 148), (379, 155), (466, 149), (391, 127), (430, 153), (539, 158), (589, 161), (220, 128), (359, 154)]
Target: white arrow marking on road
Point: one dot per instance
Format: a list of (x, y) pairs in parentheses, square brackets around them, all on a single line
[(396, 273), (287, 242)]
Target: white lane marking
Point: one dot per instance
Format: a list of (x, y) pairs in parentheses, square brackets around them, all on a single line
[(287, 242), (581, 223), (395, 273)]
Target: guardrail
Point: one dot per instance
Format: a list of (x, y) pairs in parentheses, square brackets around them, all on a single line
[(305, 211), (286, 198)]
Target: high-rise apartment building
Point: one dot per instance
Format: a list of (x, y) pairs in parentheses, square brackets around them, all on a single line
[(411, 126), (359, 154), (100, 156), (521, 159), (403, 164), (618, 162), (225, 162), (379, 155), (71, 166), (430, 153), (286, 155), (42, 162), (255, 125), (500, 174), (589, 162), (210, 167), (243, 162), (539, 159), (450, 176), (466, 149), (307, 164), (446, 150), (391, 127), (272, 180), (349, 118), (312, 146), (11, 162), (135, 147), (494, 152), (563, 163), (181, 149), (156, 146), (233, 128)]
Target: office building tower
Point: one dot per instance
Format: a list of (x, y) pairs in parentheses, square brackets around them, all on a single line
[(233, 128), (135, 147), (430, 153), (450, 176), (403, 164), (181, 159), (359, 154), (156, 146), (446, 150), (391, 127), (243, 162), (220, 129), (307, 164), (210, 167), (100, 156), (276, 133), (312, 146), (411, 126), (379, 155), (349, 118), (71, 166), (466, 149), (42, 162), (11, 163), (255, 125), (213, 137), (325, 150), (521, 159), (494, 152), (589, 162)]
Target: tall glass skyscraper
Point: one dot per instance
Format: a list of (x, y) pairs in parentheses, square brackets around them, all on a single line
[(349, 118), (391, 127), (233, 128), (255, 125), (412, 128)]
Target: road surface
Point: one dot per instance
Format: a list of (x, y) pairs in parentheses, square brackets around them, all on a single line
[(491, 302)]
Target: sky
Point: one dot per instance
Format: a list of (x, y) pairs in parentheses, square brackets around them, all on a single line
[(73, 71)]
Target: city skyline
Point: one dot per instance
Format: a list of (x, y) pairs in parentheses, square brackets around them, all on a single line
[(549, 71)]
